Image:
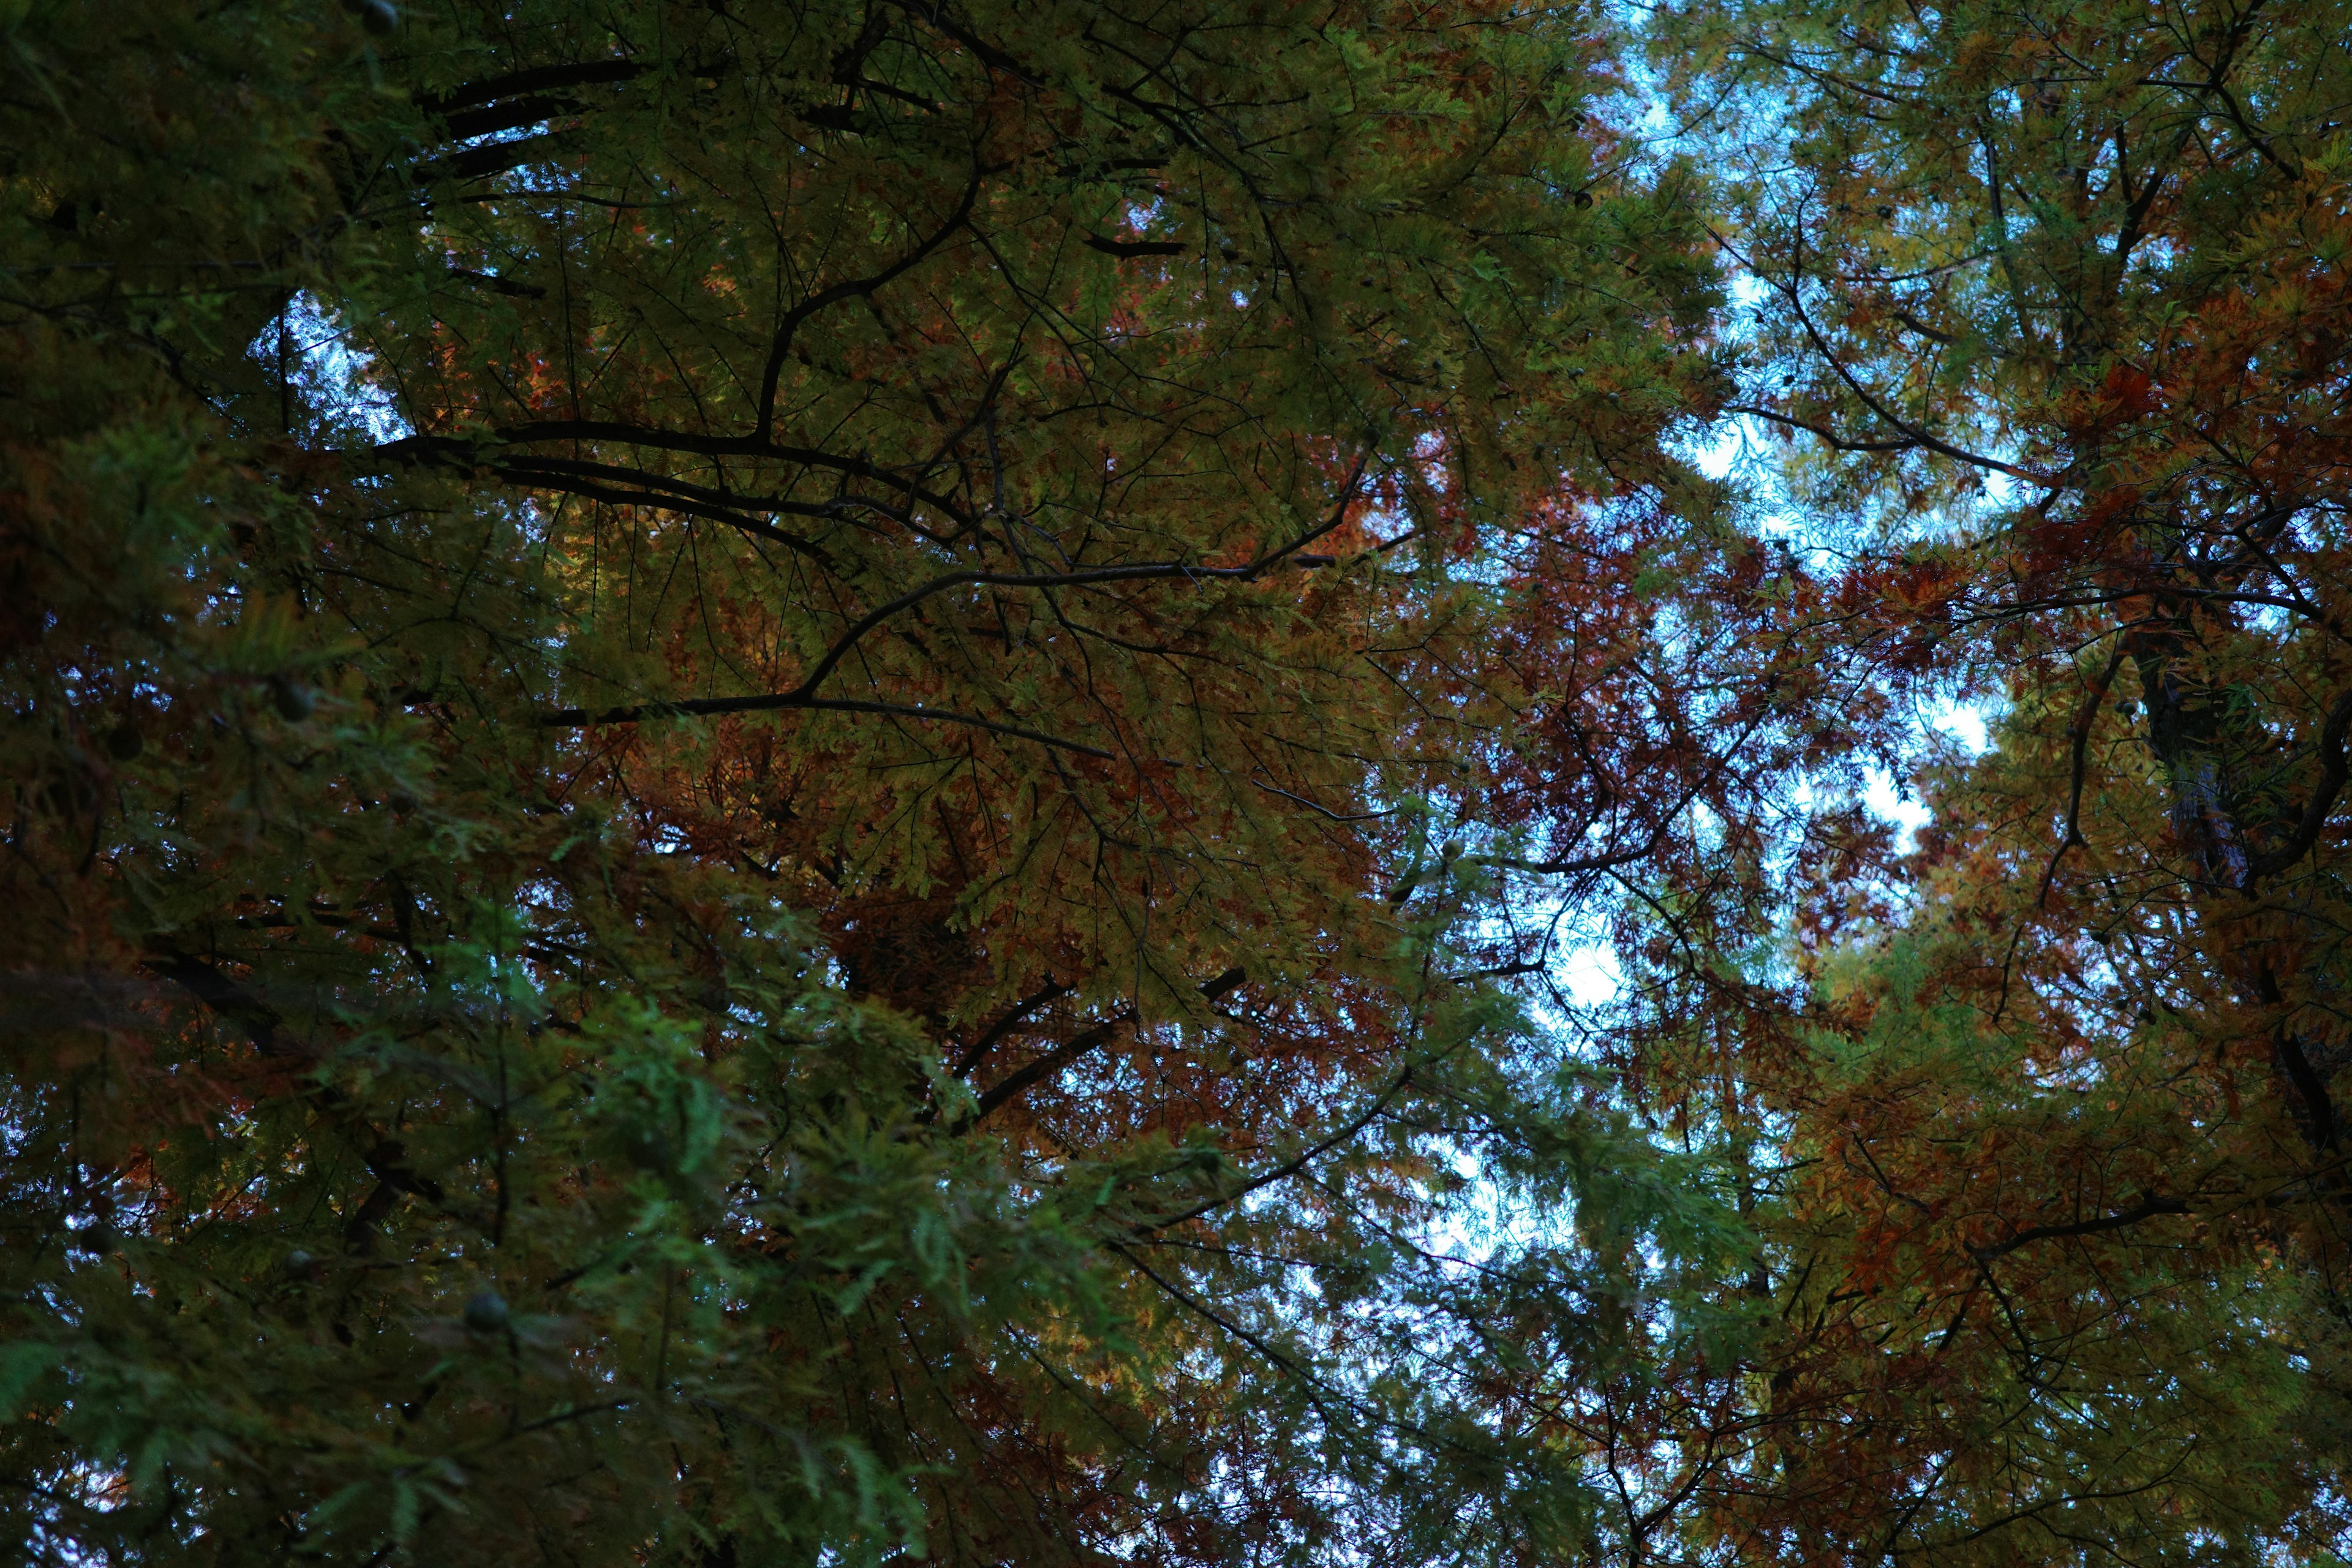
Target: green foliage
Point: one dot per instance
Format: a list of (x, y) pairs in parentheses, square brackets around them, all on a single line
[(800, 782), (2047, 314), (705, 710)]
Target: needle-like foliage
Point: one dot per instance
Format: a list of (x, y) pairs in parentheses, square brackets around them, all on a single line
[(729, 730)]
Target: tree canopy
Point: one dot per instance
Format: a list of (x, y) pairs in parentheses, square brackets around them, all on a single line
[(1071, 783)]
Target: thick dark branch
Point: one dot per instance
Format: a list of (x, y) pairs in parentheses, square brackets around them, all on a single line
[(1052, 1062), (1317, 807), (855, 289), (939, 17), (511, 289), (1133, 247), (727, 447), (1499, 972), (1291, 1166), (1789, 290), (1257, 1343), (547, 475), (492, 158), (385, 1158), (537, 79), (1922, 328), (470, 124), (1223, 985), (804, 694), (1081, 1044), (2147, 1208), (1933, 443), (387, 1161), (2216, 85), (577, 718), (1578, 864), (1084, 576), (1147, 571), (2333, 774), (1837, 442), (218, 993), (2081, 742), (1005, 1026), (456, 451)]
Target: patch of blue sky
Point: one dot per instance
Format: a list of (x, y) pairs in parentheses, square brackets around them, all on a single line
[(312, 348)]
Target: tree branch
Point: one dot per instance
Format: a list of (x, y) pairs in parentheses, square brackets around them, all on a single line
[(537, 79), (667, 500), (1003, 1026), (804, 694), (2083, 718), (2333, 774), (1291, 1166), (457, 451), (855, 289), (1079, 1044), (580, 718), (2147, 1208)]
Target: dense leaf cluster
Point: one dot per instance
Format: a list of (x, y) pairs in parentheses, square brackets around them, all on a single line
[(800, 782)]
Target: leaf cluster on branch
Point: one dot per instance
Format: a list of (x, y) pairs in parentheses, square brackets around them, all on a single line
[(808, 783)]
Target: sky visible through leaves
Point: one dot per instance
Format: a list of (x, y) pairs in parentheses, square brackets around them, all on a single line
[(1290, 786)]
